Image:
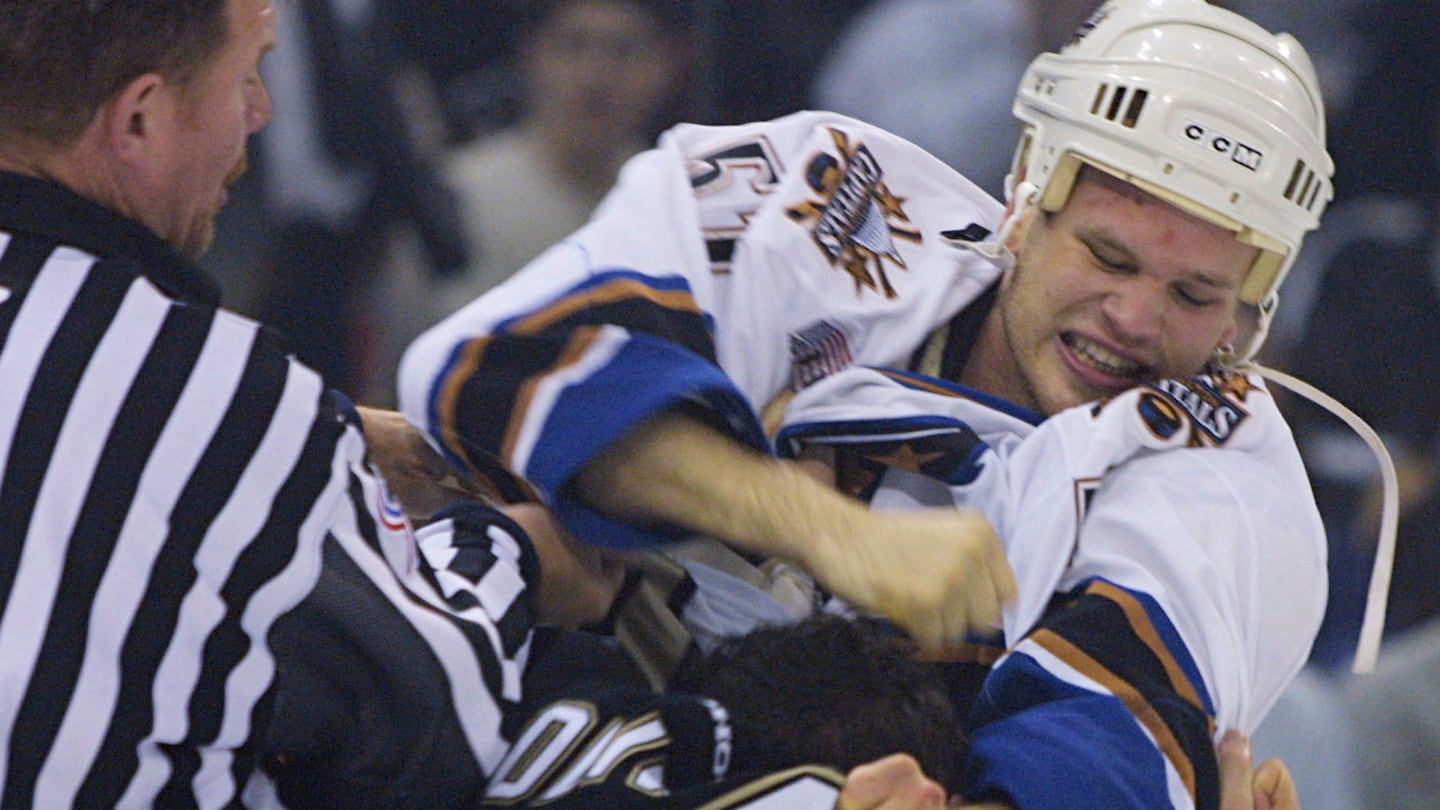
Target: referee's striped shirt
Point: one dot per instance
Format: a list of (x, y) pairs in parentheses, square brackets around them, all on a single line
[(170, 483)]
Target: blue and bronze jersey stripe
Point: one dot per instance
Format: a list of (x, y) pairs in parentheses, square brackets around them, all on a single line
[(482, 401), (1121, 640)]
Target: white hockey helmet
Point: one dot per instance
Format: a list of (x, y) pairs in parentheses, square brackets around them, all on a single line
[(1196, 105)]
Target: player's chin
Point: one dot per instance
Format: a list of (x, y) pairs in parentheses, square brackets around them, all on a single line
[(1067, 395)]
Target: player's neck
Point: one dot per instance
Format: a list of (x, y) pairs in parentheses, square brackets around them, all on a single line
[(991, 366)]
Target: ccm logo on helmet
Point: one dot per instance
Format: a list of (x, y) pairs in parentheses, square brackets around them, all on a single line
[(1222, 144)]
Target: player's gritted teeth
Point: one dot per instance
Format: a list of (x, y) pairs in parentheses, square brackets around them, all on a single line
[(1100, 366)]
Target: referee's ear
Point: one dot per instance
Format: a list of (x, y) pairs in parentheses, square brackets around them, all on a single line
[(136, 127)]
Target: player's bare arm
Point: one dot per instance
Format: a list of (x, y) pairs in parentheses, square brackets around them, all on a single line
[(578, 581), (936, 573)]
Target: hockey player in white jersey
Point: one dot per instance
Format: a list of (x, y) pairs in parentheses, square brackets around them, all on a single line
[(1168, 552)]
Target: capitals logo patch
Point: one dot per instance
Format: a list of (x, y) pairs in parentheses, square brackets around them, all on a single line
[(1209, 407), (856, 220)]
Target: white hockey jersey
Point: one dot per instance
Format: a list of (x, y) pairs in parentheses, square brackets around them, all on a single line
[(728, 264), (1180, 509), (733, 263)]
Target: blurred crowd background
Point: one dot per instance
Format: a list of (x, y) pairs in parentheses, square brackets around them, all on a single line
[(424, 150)]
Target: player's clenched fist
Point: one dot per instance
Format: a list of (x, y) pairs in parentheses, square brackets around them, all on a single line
[(1269, 787), (935, 572), (897, 783)]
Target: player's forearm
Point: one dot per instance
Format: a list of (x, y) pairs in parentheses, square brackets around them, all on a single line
[(674, 470), (937, 573)]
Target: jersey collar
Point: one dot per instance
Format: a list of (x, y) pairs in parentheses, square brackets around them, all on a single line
[(49, 210)]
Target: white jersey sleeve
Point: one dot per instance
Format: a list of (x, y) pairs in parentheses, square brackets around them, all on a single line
[(728, 264)]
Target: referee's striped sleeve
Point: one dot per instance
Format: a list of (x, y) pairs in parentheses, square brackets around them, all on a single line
[(168, 478), (158, 457), (444, 669)]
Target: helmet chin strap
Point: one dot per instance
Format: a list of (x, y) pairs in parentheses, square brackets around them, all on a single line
[(1372, 627), (1020, 196)]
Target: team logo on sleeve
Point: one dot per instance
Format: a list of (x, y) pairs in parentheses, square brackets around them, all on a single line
[(1209, 408), (817, 351), (857, 219)]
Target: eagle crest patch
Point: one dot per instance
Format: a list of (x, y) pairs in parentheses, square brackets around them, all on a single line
[(857, 219)]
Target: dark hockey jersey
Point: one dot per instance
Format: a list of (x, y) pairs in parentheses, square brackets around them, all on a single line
[(587, 730)]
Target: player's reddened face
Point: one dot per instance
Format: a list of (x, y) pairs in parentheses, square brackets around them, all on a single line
[(1117, 287)]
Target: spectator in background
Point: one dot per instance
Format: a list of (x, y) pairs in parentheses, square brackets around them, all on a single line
[(341, 169), (464, 50), (1358, 321), (600, 79), (761, 55)]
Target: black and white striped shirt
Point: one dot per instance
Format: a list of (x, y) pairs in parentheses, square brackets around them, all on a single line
[(172, 483)]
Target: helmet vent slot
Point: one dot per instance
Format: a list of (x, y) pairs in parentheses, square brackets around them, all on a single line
[(1304, 186), (1099, 99), (1137, 105), (1118, 110)]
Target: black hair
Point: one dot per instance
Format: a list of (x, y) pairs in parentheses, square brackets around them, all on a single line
[(832, 691)]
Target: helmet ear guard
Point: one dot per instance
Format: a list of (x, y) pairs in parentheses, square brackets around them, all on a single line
[(1195, 105)]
